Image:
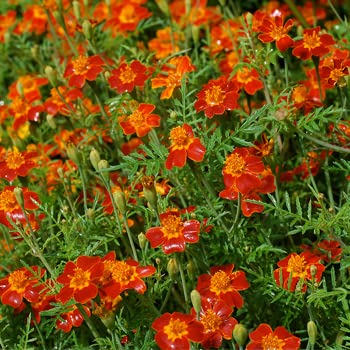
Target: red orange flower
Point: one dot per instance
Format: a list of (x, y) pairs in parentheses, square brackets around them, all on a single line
[(165, 43), (297, 269), (71, 319), (174, 233), (6, 21), (312, 44), (183, 145), (83, 68), (218, 325), (248, 79), (176, 330), (80, 279), (327, 250), (126, 76), (223, 283), (334, 72), (21, 284), (264, 338), (141, 121), (216, 97)]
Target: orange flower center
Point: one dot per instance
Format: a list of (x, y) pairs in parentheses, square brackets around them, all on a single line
[(174, 80), (137, 119), (127, 15), (122, 272), (127, 75), (311, 41), (214, 96), (14, 159), (50, 5), (244, 76), (81, 65), (211, 321), (19, 106), (8, 202), (277, 33), (220, 282), (336, 74), (179, 138), (172, 226), (297, 266), (272, 342), (18, 281), (299, 94), (80, 280), (175, 329), (234, 165)]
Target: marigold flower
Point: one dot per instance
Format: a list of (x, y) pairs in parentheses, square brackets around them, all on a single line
[(183, 145), (312, 44), (7, 20), (80, 279), (126, 77), (34, 21), (166, 43), (217, 96), (16, 163), (174, 233), (71, 319), (176, 330), (141, 121), (334, 72), (175, 70), (248, 79), (21, 284), (327, 250), (10, 210), (264, 338), (218, 325), (296, 269), (223, 283), (83, 68)]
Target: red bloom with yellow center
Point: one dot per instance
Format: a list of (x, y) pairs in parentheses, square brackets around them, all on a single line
[(295, 270), (166, 42), (72, 318), (27, 86), (334, 72), (80, 279), (218, 325), (175, 69), (223, 283), (248, 79), (21, 284), (183, 145), (141, 121), (176, 330), (126, 76), (16, 163), (273, 29), (120, 275), (264, 338), (217, 96), (10, 210), (174, 233), (7, 20), (313, 44), (83, 68)]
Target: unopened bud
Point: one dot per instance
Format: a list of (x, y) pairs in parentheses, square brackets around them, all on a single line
[(60, 173), (249, 19), (191, 269), (51, 121), (313, 270), (35, 52), (107, 74), (163, 6), (51, 74), (20, 89), (72, 153), (142, 240), (87, 29), (119, 200), (103, 165), (76, 9), (90, 213), (95, 158), (149, 191), (172, 268), (240, 334), (173, 115), (7, 37), (312, 332), (196, 301), (19, 196), (340, 338), (195, 33)]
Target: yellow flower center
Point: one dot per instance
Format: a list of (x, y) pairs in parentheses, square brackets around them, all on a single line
[(19, 106), (127, 15), (244, 75), (18, 281), (137, 119), (50, 5), (297, 266), (172, 226), (311, 41), (234, 165), (214, 96), (127, 75), (8, 202), (175, 329), (220, 282), (14, 159), (272, 342), (179, 137), (336, 74), (80, 280), (122, 272), (277, 33), (80, 65), (211, 321), (174, 80)]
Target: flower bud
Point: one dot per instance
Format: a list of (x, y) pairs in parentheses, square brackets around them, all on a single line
[(95, 158), (149, 190), (119, 200), (51, 121), (191, 269), (172, 268), (102, 165), (35, 52), (312, 332), (72, 152), (340, 338), (313, 270), (19, 195), (76, 9), (240, 334), (142, 240), (90, 213), (196, 301), (51, 74), (87, 29), (163, 5)]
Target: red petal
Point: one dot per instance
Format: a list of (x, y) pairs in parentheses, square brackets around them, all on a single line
[(196, 151), (176, 158)]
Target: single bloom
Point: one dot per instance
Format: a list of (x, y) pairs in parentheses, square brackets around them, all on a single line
[(80, 279), (72, 318), (334, 72), (176, 330), (183, 145), (264, 338), (296, 269), (248, 79), (174, 233), (217, 96), (165, 43), (83, 68), (141, 121), (223, 283), (327, 250), (21, 284)]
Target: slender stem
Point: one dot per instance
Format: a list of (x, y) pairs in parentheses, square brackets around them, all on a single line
[(88, 321), (131, 241), (183, 281), (297, 13), (328, 184), (316, 61), (82, 176), (165, 301)]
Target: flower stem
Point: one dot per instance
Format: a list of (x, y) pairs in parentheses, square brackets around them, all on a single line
[(88, 321), (183, 280), (297, 13), (131, 241)]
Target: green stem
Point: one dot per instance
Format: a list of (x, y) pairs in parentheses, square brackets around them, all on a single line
[(167, 296), (328, 184), (82, 176), (297, 13), (88, 321), (183, 280), (316, 62), (131, 241)]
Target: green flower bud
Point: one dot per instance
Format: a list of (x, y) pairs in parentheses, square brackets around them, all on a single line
[(95, 158), (312, 332), (196, 301), (172, 268), (120, 201), (240, 334), (19, 196)]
